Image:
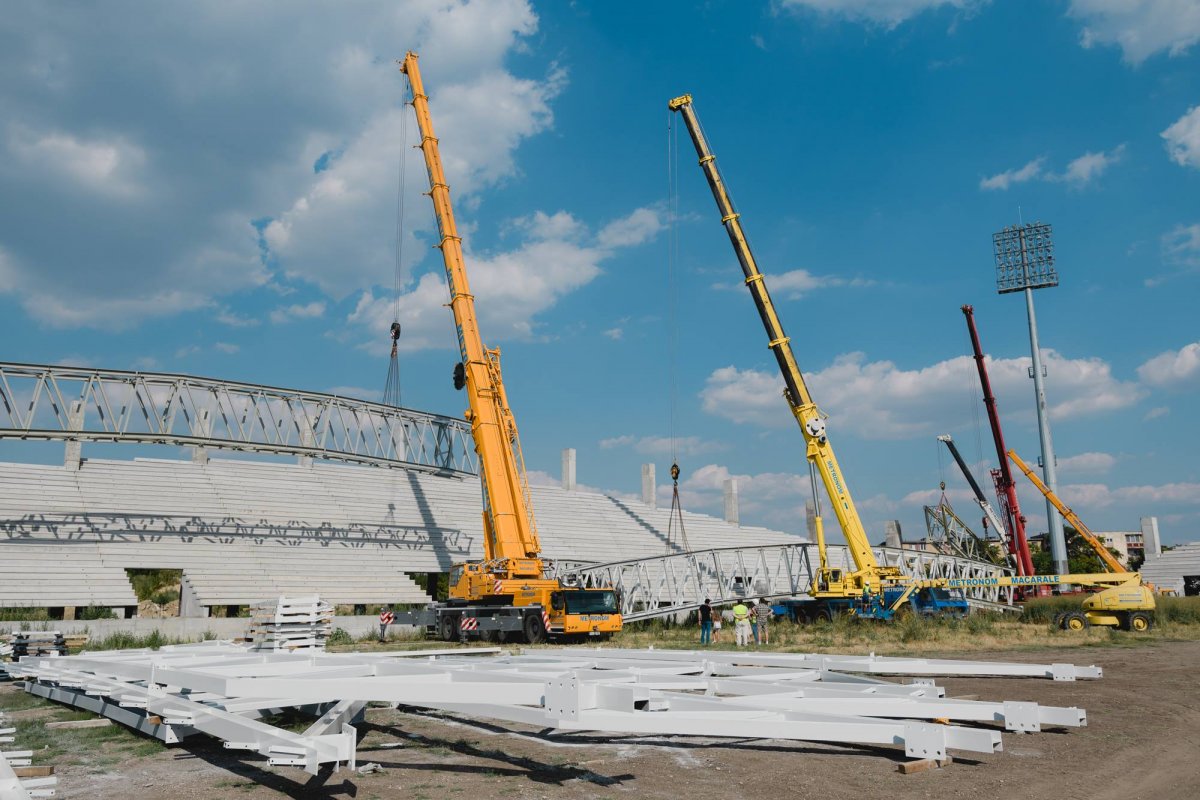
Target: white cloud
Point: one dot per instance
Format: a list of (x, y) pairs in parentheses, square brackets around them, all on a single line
[(1079, 172), (1089, 166), (614, 333), (1181, 250), (306, 311), (108, 167), (1140, 28), (877, 399), (1011, 176), (1183, 139), (1156, 412), (776, 498), (356, 393), (639, 227), (796, 283), (888, 13), (227, 347), (1173, 368), (662, 445), (1098, 495), (1087, 462), (233, 320), (141, 205), (557, 257)]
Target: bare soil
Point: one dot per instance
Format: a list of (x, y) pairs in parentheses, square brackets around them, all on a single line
[(1142, 741)]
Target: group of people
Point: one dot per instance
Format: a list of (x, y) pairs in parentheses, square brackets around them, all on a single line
[(749, 622)]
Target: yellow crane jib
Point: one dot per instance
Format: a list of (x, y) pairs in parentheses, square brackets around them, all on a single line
[(868, 573)]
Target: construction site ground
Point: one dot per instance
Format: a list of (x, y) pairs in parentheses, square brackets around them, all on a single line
[(1142, 741)]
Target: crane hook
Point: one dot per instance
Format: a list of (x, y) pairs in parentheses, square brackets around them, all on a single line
[(675, 473)]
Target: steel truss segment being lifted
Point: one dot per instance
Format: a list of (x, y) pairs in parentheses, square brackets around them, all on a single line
[(655, 587), (221, 689), (40, 401)]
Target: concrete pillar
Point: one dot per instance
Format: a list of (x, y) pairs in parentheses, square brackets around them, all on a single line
[(203, 430), (891, 534), (568, 469), (189, 603), (74, 446), (307, 439), (731, 501), (1150, 538), (649, 486)]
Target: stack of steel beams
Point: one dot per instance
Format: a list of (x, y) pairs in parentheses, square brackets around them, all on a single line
[(38, 643), (220, 689), (290, 623)]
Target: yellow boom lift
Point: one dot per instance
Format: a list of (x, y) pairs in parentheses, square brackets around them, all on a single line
[(870, 590), (507, 595)]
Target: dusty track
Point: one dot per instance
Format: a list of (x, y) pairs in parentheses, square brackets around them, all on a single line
[(1142, 741)]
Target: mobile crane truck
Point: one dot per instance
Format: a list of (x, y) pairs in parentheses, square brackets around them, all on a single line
[(870, 590), (508, 595)]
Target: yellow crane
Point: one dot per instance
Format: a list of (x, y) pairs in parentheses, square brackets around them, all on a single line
[(830, 585), (508, 593)]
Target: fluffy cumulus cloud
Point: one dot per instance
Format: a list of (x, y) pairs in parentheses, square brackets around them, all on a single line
[(775, 498), (1087, 462), (297, 311), (888, 13), (877, 399), (1174, 368), (1182, 139), (154, 182), (1140, 28), (556, 255)]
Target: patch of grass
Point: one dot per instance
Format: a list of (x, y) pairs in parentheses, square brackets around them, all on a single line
[(21, 701), (339, 636), (164, 596), (123, 640), (94, 612), (148, 581), (15, 614)]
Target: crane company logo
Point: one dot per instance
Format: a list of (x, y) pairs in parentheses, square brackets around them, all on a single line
[(833, 474)]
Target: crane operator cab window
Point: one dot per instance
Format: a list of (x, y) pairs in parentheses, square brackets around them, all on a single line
[(557, 602), (456, 574), (591, 601)]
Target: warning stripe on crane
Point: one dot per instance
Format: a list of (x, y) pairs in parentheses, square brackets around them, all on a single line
[(498, 587), (469, 624), (545, 619), (386, 618)]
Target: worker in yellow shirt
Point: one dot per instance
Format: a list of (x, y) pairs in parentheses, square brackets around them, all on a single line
[(741, 624)]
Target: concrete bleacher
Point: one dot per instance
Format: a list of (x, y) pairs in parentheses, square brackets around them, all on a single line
[(1168, 569), (243, 530)]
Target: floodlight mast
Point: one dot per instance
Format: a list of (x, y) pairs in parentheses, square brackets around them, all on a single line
[(1024, 262)]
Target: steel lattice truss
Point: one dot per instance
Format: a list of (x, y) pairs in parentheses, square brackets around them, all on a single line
[(39, 401), (948, 533), (655, 587), (220, 689)]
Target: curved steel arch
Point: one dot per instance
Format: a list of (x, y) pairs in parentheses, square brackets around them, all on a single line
[(48, 402)]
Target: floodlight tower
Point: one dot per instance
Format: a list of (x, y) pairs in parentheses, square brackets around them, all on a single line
[(1024, 262)]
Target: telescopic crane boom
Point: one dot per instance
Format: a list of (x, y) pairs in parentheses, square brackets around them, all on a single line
[(1006, 487), (868, 575), (980, 499), (511, 578)]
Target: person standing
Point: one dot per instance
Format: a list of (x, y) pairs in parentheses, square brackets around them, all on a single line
[(763, 614), (706, 622), (741, 624)]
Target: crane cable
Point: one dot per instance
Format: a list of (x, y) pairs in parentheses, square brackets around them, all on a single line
[(676, 514), (391, 391)]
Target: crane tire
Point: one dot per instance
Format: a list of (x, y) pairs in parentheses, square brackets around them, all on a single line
[(823, 615), (535, 631), (1058, 619), (448, 628), (1076, 621), (1140, 622)]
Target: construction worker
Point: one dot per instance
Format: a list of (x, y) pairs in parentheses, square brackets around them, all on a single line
[(762, 614), (706, 622), (741, 624)]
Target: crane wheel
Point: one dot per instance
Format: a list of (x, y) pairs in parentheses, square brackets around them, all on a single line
[(1058, 619), (1075, 621), (823, 615), (535, 631), (448, 628), (1140, 622)]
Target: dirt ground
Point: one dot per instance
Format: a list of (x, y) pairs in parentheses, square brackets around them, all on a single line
[(1142, 741)]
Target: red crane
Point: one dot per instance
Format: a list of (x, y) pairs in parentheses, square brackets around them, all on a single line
[(1006, 488)]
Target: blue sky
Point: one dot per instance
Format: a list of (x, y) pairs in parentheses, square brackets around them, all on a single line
[(212, 190)]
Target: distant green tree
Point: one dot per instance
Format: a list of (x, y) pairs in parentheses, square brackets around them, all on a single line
[(1081, 558)]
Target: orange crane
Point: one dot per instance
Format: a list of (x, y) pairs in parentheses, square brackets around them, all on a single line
[(508, 593)]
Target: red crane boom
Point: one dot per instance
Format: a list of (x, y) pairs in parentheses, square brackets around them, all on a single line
[(1006, 488)]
